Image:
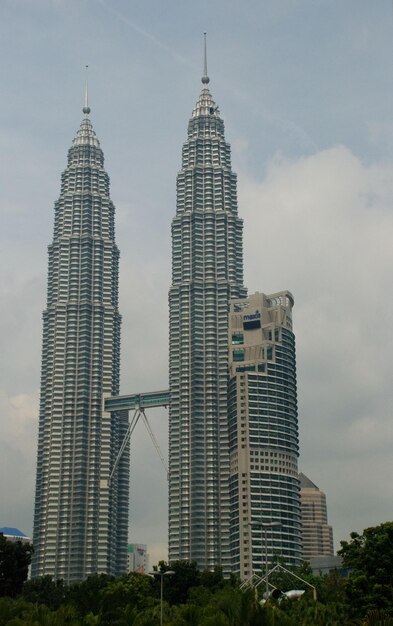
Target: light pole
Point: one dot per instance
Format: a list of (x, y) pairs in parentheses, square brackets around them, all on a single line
[(161, 575), (264, 526)]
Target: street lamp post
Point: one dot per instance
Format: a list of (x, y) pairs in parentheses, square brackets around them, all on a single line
[(264, 528), (161, 575)]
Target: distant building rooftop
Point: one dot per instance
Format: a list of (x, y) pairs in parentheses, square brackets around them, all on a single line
[(321, 565), (306, 483), (13, 533)]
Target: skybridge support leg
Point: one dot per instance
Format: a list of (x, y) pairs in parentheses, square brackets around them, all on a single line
[(131, 427), (154, 440), (127, 437)]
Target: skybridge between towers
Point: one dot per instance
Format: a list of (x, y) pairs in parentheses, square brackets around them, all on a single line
[(146, 400), (137, 402)]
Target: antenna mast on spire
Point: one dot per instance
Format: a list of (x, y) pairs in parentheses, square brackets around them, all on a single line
[(86, 108), (205, 78)]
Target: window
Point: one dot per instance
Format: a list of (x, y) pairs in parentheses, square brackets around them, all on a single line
[(238, 355), (237, 338), (252, 324)]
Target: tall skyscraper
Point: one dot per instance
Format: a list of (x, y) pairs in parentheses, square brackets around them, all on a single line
[(316, 532), (81, 521), (263, 433), (207, 271)]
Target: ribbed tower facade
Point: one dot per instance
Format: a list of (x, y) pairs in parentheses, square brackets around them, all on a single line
[(81, 521), (207, 271)]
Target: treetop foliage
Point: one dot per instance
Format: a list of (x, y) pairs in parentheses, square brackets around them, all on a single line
[(195, 598), (15, 558), (370, 559)]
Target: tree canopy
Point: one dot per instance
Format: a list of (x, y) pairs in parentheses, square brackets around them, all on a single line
[(15, 558), (369, 556), (194, 598)]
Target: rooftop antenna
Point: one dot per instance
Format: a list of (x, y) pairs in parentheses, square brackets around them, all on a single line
[(205, 78), (86, 108)]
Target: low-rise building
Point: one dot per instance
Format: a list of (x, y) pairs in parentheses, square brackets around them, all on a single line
[(14, 534)]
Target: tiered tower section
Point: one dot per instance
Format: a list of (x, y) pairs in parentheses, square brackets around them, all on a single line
[(207, 271), (81, 523)]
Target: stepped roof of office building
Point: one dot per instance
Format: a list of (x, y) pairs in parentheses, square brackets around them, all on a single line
[(306, 483)]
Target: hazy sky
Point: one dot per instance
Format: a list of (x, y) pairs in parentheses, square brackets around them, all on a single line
[(306, 91)]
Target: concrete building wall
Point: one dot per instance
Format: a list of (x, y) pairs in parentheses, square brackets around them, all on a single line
[(263, 433), (138, 558), (316, 533)]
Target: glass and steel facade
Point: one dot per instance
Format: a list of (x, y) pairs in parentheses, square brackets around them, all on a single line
[(207, 271), (81, 523), (263, 433)]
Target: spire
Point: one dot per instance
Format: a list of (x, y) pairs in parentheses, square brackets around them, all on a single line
[(86, 135), (86, 108), (205, 104), (205, 78)]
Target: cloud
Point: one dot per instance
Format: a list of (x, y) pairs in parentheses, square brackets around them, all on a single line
[(17, 458), (144, 282), (321, 227), (157, 552), (22, 410)]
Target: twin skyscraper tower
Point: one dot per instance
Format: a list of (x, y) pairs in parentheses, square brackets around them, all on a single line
[(233, 435)]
